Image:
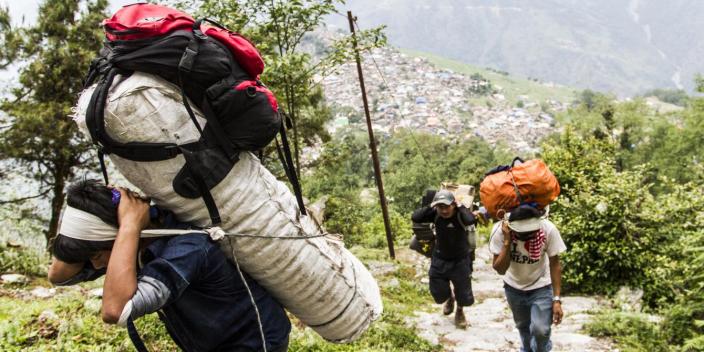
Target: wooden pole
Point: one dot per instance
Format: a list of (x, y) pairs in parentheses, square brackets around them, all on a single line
[(372, 142)]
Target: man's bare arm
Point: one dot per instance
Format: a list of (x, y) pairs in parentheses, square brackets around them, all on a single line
[(60, 271), (121, 277), (556, 277)]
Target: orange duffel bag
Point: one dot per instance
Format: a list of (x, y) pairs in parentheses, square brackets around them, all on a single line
[(506, 187)]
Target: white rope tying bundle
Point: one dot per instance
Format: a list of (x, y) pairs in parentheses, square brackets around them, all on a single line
[(249, 291)]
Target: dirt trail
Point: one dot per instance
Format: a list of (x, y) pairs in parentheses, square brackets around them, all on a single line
[(491, 324)]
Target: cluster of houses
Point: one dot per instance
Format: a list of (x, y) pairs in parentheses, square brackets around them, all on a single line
[(410, 93)]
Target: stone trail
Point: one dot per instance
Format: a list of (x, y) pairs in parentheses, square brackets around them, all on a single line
[(491, 324)]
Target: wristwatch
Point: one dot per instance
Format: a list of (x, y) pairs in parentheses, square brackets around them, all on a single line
[(556, 299)]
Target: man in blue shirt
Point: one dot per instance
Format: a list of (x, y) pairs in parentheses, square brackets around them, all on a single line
[(206, 303)]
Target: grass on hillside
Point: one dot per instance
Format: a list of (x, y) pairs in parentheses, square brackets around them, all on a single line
[(631, 331), (512, 86), (71, 321)]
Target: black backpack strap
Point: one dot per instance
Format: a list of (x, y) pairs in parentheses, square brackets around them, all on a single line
[(95, 120), (97, 66), (134, 337), (218, 131), (202, 188), (291, 169), (280, 153), (459, 219), (101, 159), (186, 65)]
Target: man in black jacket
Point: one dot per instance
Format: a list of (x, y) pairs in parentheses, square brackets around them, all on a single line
[(455, 242)]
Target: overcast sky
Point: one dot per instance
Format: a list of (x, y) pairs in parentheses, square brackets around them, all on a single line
[(27, 10)]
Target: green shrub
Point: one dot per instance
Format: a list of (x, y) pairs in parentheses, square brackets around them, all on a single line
[(632, 332), (375, 232), (22, 260), (347, 216), (694, 345), (617, 232), (76, 326)]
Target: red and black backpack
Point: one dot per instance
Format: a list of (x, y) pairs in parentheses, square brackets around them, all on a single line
[(216, 69)]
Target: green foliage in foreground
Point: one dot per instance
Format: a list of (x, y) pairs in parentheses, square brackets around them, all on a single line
[(71, 321), (27, 324), (633, 332), (632, 213), (21, 260), (619, 234), (363, 224)]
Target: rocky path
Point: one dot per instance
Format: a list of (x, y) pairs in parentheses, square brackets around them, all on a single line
[(491, 325)]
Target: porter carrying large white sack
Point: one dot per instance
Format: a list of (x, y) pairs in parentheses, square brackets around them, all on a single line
[(177, 107), (314, 276)]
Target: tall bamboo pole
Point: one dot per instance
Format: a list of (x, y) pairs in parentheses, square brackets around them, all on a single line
[(372, 142)]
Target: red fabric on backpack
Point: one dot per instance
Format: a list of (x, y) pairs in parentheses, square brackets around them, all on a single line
[(533, 179), (244, 85), (246, 54), (141, 21)]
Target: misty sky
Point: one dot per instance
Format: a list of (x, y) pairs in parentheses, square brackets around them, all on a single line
[(27, 10)]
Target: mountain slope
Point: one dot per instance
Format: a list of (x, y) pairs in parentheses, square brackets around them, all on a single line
[(624, 46)]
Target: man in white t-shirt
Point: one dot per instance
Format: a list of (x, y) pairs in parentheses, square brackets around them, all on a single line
[(526, 250)]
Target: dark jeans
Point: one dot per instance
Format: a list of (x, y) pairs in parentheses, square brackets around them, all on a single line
[(459, 272), (532, 313)]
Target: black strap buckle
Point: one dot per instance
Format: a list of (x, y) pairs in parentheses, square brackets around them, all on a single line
[(188, 59)]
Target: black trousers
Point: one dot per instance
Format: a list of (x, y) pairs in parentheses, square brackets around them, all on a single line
[(459, 273)]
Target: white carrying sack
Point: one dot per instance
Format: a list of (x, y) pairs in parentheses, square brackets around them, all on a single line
[(316, 279)]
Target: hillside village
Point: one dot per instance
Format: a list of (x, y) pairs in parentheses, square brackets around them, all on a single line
[(410, 93)]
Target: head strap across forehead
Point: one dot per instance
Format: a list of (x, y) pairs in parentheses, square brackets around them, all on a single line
[(82, 225)]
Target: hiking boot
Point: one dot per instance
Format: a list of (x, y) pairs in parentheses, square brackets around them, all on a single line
[(448, 306), (460, 320)]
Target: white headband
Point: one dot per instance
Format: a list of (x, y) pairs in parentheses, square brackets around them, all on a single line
[(81, 225)]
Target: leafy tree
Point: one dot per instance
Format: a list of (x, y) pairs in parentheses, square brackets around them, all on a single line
[(618, 233), (279, 27), (41, 139), (684, 320), (677, 97), (675, 146), (344, 166), (415, 162), (590, 99), (480, 85)]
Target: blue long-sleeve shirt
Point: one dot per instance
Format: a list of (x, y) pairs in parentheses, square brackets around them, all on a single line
[(206, 305)]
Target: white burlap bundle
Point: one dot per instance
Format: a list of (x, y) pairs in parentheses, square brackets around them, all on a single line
[(316, 279)]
